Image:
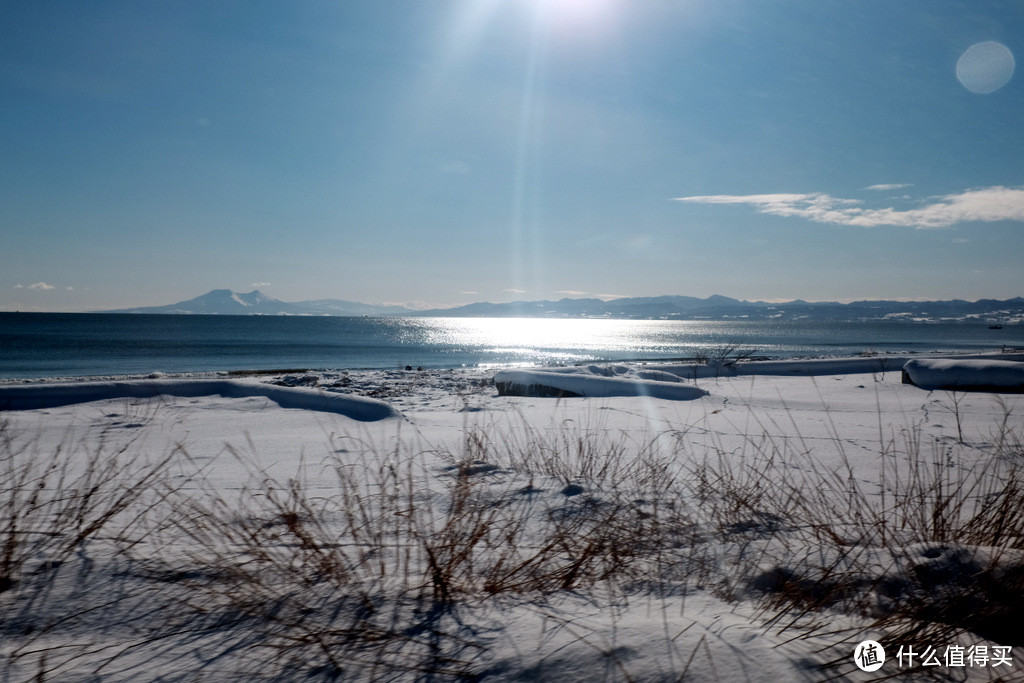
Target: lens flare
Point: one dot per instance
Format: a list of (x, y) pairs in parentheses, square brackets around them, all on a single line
[(985, 67)]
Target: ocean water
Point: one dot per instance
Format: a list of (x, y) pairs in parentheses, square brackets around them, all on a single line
[(34, 345)]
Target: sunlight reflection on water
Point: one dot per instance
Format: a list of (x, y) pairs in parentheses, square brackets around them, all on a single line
[(64, 345), (561, 339)]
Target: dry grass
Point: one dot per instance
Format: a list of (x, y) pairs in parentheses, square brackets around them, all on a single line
[(372, 577), (931, 552), (386, 565), (53, 503)]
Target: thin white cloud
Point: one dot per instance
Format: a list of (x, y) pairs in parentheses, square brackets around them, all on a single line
[(19, 286), (416, 305), (516, 291), (257, 285), (41, 285), (570, 292), (747, 198), (889, 186), (987, 204)]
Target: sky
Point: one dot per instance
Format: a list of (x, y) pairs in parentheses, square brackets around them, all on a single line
[(444, 152)]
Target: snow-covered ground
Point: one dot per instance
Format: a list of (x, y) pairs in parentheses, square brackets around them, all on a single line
[(727, 522)]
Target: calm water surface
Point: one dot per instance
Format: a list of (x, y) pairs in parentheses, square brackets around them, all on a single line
[(62, 345)]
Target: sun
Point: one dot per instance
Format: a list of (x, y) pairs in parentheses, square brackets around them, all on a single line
[(577, 14)]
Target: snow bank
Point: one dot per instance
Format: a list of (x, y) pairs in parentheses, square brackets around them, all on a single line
[(785, 368), (667, 380), (801, 367), (37, 396), (977, 375), (583, 382)]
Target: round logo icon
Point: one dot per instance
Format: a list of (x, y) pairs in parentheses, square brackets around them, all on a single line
[(869, 656)]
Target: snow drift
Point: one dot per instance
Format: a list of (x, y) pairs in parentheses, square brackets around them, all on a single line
[(587, 383), (38, 396), (976, 375)]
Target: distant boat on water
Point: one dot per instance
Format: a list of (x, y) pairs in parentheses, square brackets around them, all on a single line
[(997, 326)]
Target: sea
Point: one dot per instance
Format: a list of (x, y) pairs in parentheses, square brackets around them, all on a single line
[(60, 345)]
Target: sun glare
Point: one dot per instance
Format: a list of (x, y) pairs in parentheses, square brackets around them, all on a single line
[(575, 15)]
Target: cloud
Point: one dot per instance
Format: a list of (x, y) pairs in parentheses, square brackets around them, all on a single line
[(69, 288), (515, 291), (19, 286), (890, 186), (987, 204), (580, 293), (41, 285), (257, 285)]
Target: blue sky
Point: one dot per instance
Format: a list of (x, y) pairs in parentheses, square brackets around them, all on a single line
[(445, 152)]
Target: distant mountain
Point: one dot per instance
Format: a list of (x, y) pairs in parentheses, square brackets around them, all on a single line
[(222, 302), (716, 307), (719, 307), (226, 302), (341, 307)]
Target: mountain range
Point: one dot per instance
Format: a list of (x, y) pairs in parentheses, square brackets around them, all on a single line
[(716, 307), (226, 302)]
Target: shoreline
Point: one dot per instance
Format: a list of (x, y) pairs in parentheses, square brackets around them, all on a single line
[(758, 364)]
